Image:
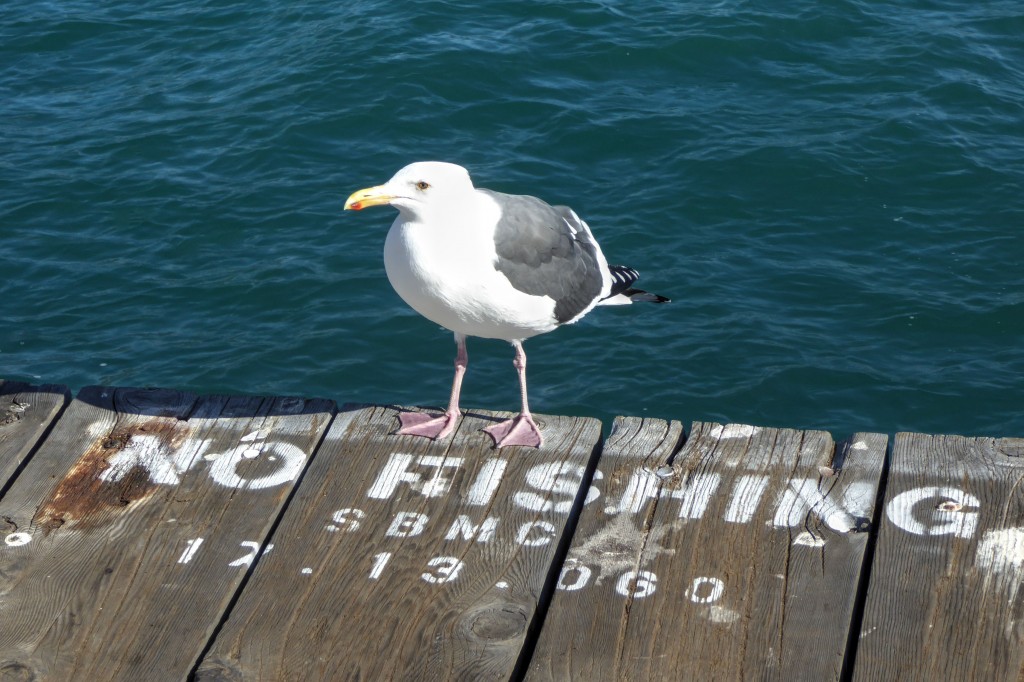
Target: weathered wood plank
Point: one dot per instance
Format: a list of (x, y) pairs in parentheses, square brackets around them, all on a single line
[(737, 557), (582, 627), (945, 599), (402, 558), (135, 524), (26, 412)]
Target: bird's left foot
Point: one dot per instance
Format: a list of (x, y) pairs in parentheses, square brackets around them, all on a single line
[(521, 430)]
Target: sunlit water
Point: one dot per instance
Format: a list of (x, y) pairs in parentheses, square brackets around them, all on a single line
[(831, 192)]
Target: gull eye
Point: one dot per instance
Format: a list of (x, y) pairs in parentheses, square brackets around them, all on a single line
[(422, 186)]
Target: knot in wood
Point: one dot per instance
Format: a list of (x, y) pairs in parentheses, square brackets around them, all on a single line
[(218, 671), (499, 622), (16, 671)]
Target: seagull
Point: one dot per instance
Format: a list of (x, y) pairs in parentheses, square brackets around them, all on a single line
[(491, 265)]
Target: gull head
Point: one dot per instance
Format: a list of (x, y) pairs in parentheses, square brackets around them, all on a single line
[(418, 189)]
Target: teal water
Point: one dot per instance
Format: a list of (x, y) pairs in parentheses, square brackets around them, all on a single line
[(832, 192)]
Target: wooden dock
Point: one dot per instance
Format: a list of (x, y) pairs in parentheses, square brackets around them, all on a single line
[(158, 535)]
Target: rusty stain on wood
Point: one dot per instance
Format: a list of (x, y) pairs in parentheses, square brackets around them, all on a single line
[(83, 494), (179, 494)]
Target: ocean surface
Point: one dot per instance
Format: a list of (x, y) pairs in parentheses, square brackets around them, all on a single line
[(831, 192)]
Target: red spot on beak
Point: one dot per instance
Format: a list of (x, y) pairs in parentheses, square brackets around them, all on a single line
[(357, 206)]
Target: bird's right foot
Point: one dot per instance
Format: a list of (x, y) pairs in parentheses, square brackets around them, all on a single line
[(422, 424)]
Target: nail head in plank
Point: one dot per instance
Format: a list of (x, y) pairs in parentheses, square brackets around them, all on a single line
[(405, 558)]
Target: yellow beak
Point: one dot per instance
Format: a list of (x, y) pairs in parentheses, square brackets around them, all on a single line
[(371, 196)]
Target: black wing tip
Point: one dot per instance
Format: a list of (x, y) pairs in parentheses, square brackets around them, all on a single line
[(623, 278), (639, 295)]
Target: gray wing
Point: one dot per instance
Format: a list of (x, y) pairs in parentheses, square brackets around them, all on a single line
[(547, 250)]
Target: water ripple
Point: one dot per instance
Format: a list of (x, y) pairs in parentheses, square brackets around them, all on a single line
[(830, 191)]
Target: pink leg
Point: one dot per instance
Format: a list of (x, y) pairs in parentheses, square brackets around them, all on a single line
[(521, 430), (421, 424)]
